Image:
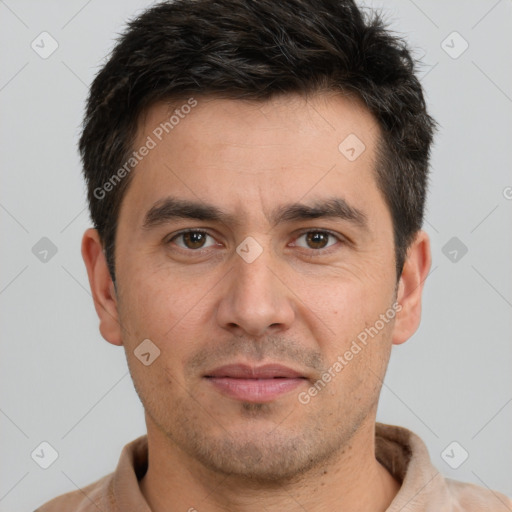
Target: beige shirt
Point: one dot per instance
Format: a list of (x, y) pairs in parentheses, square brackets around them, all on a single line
[(423, 488)]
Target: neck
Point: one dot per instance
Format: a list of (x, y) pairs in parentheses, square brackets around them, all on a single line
[(352, 481)]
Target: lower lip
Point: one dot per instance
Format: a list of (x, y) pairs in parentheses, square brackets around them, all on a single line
[(255, 390)]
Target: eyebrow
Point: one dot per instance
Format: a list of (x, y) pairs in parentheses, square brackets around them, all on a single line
[(171, 208)]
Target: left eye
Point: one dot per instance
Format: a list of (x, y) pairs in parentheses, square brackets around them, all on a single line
[(193, 240), (316, 240)]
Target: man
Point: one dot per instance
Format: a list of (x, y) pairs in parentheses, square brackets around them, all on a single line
[(257, 178)]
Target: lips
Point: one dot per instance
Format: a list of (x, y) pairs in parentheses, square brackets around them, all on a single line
[(241, 371), (258, 384)]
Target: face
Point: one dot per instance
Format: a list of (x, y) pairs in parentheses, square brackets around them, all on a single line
[(258, 258)]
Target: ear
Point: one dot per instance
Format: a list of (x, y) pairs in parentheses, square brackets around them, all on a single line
[(410, 288), (102, 287)]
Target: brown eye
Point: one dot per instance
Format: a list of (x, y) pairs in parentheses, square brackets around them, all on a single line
[(316, 240), (192, 240)]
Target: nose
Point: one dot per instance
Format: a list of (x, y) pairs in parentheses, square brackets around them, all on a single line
[(256, 299)]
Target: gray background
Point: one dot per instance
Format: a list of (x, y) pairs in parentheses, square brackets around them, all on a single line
[(61, 383)]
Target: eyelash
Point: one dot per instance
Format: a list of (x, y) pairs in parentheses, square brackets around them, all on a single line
[(201, 251)]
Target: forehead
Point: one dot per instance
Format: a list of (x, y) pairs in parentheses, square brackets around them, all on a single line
[(242, 153), (299, 122)]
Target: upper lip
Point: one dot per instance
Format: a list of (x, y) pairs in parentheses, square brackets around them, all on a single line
[(245, 371)]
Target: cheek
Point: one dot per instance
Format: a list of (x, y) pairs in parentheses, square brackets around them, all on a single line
[(160, 300), (172, 313), (340, 301), (345, 308)]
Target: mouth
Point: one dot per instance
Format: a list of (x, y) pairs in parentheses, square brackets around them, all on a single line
[(257, 384)]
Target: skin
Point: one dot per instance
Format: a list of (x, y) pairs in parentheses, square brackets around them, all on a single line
[(297, 303)]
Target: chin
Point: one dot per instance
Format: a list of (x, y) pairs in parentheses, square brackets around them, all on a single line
[(262, 456)]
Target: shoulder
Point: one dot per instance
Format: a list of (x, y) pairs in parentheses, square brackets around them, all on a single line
[(423, 487), (116, 491), (470, 497), (94, 497)]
